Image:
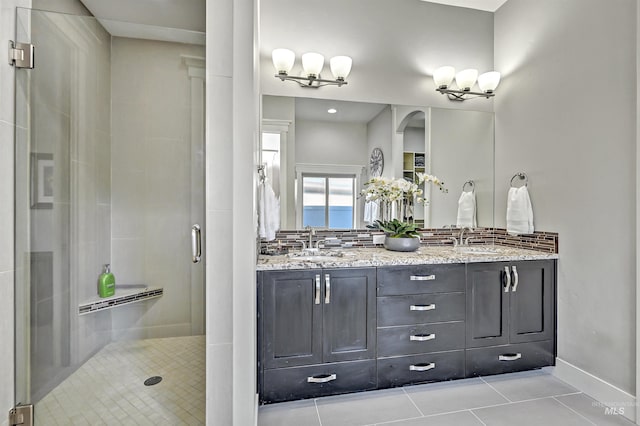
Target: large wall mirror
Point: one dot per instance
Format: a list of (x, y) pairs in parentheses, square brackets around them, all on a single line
[(316, 154)]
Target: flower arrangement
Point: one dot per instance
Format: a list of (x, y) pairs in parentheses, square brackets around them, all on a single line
[(389, 191)]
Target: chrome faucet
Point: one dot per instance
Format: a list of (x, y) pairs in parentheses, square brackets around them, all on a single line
[(312, 232), (461, 241)]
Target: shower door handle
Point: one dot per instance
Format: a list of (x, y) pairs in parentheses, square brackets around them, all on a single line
[(196, 244)]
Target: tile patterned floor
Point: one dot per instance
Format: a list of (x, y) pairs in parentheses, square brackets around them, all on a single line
[(530, 398), (109, 388)]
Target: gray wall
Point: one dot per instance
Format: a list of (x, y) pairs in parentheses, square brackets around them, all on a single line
[(566, 115), (321, 142), (462, 145), (395, 46), (379, 135)]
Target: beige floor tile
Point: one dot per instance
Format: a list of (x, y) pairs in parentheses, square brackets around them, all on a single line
[(109, 388)]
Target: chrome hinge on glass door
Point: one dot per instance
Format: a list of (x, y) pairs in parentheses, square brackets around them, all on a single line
[(21, 415), (21, 55)]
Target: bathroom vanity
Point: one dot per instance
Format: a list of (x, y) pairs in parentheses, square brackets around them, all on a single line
[(375, 319)]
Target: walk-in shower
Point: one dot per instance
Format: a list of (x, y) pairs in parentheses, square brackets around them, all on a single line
[(109, 170)]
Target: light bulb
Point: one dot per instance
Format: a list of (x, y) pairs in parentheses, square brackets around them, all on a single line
[(340, 67), (312, 64), (283, 60), (443, 76), (489, 81), (465, 79)]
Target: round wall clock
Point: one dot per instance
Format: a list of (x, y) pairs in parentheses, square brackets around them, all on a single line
[(376, 162)]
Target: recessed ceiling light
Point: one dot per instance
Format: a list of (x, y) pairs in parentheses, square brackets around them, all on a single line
[(332, 110)]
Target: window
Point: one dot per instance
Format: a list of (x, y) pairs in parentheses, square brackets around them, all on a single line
[(328, 201)]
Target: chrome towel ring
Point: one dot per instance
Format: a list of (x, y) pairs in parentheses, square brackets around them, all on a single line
[(522, 176), (469, 183)]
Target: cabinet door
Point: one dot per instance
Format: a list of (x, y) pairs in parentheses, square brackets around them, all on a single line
[(487, 304), (291, 318), (532, 301), (349, 305)]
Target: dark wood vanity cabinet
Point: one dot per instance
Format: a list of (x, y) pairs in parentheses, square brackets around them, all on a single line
[(317, 332), (510, 316), (421, 328), (330, 331)]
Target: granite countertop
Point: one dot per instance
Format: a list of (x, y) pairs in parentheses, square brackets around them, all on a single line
[(425, 255)]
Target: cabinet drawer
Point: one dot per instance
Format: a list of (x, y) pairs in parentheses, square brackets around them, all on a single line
[(416, 279), (407, 340), (420, 368), (287, 384), (509, 358), (420, 309)]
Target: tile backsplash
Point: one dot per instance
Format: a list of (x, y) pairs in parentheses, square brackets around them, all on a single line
[(293, 240)]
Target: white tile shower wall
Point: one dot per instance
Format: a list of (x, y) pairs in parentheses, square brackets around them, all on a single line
[(151, 183), (7, 74), (219, 176)]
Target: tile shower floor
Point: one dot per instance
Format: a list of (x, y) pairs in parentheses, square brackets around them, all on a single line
[(109, 388), (533, 398)]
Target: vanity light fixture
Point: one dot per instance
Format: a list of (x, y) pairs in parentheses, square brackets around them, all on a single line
[(312, 64), (465, 80)]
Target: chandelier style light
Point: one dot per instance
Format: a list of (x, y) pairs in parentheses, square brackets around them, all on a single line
[(312, 64), (465, 80)]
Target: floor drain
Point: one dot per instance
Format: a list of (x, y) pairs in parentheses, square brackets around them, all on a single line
[(152, 381)]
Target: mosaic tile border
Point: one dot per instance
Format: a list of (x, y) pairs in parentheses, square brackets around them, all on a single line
[(285, 241)]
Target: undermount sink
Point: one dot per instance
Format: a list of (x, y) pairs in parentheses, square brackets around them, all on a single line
[(476, 250), (315, 256)]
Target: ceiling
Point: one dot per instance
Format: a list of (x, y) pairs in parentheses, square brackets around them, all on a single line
[(184, 21), (347, 112), (488, 5)]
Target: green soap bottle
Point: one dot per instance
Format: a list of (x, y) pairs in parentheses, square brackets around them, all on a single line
[(106, 283)]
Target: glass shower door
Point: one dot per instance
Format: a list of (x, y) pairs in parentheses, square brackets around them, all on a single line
[(109, 170)]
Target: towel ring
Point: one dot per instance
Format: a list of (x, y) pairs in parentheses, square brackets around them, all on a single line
[(261, 173), (470, 183), (522, 176)]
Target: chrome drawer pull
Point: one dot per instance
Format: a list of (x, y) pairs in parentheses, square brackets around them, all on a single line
[(430, 307), (507, 277), (422, 337), (422, 367), (324, 378), (509, 357), (327, 289), (316, 299), (422, 277), (515, 278)]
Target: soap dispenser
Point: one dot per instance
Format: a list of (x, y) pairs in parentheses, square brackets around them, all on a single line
[(106, 283)]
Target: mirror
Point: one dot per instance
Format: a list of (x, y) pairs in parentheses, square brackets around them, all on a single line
[(301, 138)]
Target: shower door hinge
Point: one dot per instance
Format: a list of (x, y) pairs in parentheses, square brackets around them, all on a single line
[(21, 415), (21, 54)]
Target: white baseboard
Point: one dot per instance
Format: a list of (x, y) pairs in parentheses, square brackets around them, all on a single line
[(595, 387)]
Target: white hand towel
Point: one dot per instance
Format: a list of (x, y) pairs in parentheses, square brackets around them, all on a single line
[(371, 211), (467, 210), (519, 211), (269, 212)]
